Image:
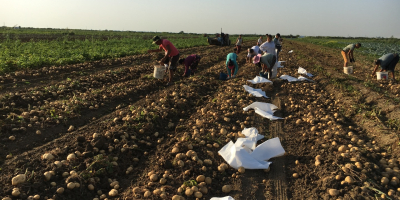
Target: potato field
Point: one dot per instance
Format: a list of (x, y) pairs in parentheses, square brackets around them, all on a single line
[(97, 127)]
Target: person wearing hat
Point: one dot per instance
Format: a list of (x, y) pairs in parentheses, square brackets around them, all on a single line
[(191, 61), (266, 61), (347, 53), (387, 62), (231, 64), (171, 55)]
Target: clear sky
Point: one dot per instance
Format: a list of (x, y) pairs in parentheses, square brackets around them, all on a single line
[(370, 18)]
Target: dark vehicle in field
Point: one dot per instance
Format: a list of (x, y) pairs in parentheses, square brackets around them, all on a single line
[(219, 39)]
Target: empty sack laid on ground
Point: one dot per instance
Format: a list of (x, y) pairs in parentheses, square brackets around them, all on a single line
[(223, 198), (266, 110), (304, 71), (245, 153), (289, 78), (255, 92), (280, 64), (259, 79)]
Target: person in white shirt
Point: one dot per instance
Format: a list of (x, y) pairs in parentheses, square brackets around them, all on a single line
[(268, 46), (252, 52)]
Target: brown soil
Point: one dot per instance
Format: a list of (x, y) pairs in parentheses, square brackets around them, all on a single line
[(120, 100)]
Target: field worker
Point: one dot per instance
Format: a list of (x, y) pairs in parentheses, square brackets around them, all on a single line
[(190, 62), (266, 62), (259, 41), (171, 55), (231, 66), (387, 62), (231, 60), (268, 46), (278, 45), (347, 53), (239, 43), (252, 52)]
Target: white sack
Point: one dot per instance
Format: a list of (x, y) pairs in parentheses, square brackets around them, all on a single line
[(302, 78), (223, 198), (268, 115), (243, 152), (255, 92), (304, 71), (268, 149), (259, 79), (264, 109), (280, 64), (238, 157), (289, 78)]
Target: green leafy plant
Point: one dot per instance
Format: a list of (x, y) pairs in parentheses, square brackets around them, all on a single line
[(190, 183)]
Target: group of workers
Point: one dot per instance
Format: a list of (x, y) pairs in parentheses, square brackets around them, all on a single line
[(171, 57), (387, 62), (264, 55)]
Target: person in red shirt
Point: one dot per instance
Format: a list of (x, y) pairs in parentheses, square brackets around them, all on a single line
[(191, 61), (171, 55)]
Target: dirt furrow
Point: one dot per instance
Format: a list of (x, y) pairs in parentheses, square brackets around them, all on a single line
[(310, 137), (107, 119), (373, 102), (135, 89), (277, 174)]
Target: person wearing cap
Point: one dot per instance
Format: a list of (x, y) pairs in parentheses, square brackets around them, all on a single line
[(239, 43), (387, 62), (347, 53), (191, 62), (268, 46), (266, 62), (252, 52), (171, 55), (231, 61)]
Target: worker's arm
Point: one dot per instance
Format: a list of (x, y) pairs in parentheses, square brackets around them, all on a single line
[(351, 54), (168, 52), (262, 48), (154, 50), (375, 68), (186, 69)]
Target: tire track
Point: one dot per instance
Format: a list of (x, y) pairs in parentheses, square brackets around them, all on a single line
[(277, 175)]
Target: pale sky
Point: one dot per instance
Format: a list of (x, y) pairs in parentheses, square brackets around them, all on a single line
[(370, 18)]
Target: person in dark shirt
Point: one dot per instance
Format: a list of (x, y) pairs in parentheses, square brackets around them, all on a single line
[(191, 62), (387, 62)]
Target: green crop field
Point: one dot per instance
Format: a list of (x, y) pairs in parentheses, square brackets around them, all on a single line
[(372, 47), (27, 48)]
